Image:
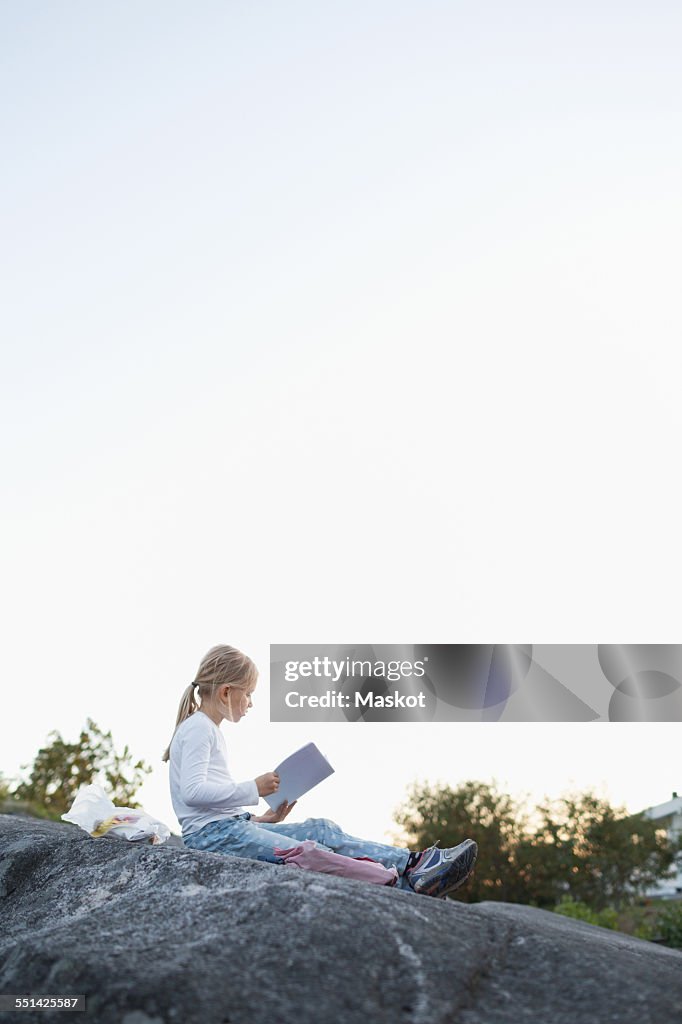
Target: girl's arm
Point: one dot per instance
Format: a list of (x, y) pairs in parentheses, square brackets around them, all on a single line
[(196, 791)]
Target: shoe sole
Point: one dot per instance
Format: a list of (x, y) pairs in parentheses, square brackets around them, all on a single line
[(454, 878), (458, 885)]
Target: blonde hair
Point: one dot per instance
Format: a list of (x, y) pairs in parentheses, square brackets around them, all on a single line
[(220, 666)]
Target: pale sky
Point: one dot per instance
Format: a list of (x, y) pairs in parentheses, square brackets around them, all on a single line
[(337, 323)]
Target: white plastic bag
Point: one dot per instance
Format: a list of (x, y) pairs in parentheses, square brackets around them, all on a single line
[(93, 811)]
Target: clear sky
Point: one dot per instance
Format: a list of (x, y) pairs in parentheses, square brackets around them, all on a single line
[(337, 322)]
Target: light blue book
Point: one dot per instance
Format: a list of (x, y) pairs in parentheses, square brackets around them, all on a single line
[(298, 774)]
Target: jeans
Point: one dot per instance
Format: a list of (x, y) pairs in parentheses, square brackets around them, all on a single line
[(241, 837)]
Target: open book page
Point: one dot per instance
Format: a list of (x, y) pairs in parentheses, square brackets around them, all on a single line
[(298, 773)]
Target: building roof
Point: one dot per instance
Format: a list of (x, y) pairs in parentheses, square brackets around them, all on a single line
[(673, 806)]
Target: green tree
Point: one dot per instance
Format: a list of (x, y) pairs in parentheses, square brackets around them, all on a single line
[(578, 848), (474, 810), (61, 768), (599, 854)]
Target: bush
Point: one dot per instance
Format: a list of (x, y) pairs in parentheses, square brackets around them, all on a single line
[(644, 931), (669, 925), (607, 918)]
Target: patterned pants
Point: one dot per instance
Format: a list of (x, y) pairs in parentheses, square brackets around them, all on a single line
[(240, 837)]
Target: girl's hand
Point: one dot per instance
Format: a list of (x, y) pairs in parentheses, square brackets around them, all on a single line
[(279, 815), (268, 783)]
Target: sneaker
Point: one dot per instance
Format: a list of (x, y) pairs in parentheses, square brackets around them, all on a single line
[(439, 872)]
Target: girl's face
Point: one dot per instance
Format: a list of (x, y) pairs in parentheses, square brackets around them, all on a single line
[(238, 703)]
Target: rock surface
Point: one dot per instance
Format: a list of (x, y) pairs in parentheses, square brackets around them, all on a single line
[(158, 935)]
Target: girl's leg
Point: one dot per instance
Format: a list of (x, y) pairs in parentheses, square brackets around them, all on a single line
[(240, 837), (328, 834)]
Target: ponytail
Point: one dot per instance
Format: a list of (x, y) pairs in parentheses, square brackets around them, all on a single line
[(220, 665), (188, 706)]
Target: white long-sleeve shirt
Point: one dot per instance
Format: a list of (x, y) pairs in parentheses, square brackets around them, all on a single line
[(202, 788)]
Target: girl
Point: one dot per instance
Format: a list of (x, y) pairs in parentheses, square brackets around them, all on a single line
[(209, 804)]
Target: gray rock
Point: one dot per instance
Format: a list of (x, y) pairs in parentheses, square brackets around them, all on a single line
[(159, 935)]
